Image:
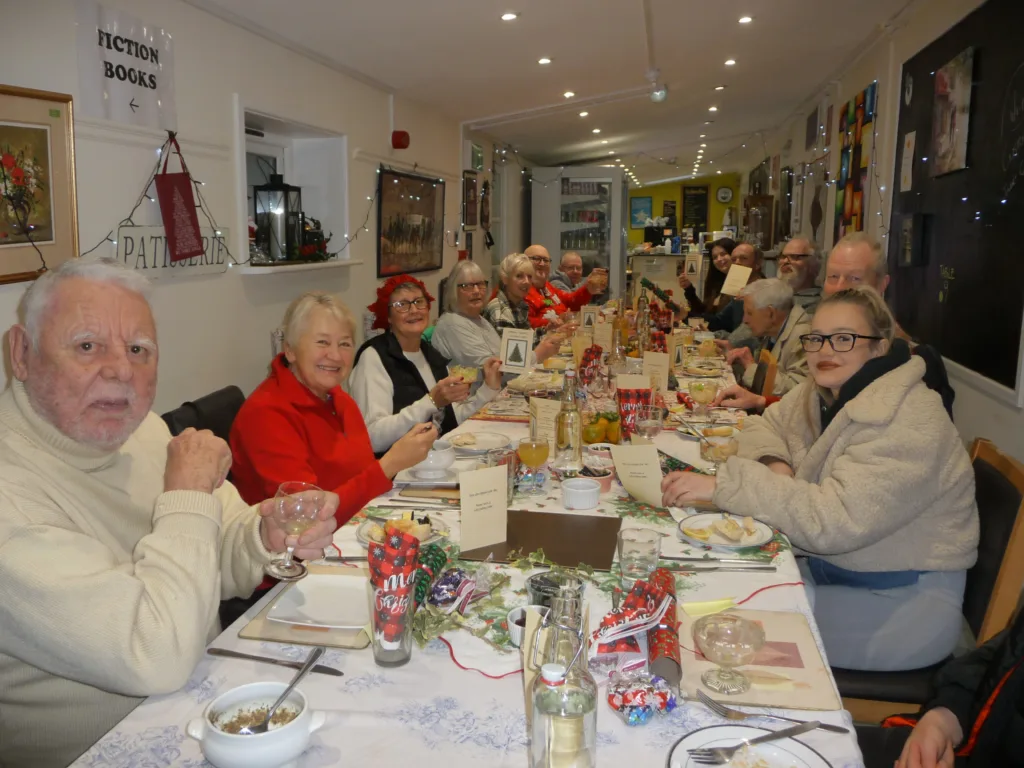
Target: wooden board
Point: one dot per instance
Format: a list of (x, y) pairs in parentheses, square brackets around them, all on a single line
[(446, 494)]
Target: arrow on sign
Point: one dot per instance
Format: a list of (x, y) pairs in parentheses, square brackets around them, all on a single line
[(133, 105)]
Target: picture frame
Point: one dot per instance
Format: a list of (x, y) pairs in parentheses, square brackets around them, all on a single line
[(38, 198), (640, 210), (470, 201), (911, 251), (476, 160), (410, 223)]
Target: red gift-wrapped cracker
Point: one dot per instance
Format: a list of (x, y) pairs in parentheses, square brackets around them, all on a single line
[(630, 400), (664, 659), (393, 566), (590, 362)]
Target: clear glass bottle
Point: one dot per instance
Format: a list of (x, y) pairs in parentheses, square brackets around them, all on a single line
[(569, 428)]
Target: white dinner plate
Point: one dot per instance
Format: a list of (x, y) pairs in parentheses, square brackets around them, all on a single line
[(784, 753), (485, 441), (323, 600), (437, 525), (448, 478), (762, 535)]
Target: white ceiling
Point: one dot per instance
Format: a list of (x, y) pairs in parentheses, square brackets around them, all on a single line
[(459, 57)]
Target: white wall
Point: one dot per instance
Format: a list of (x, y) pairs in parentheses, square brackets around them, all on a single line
[(214, 330)]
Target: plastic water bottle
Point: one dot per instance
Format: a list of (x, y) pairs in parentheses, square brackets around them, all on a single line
[(564, 719)]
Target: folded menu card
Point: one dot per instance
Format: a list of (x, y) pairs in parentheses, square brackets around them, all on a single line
[(656, 368), (735, 279), (603, 336), (639, 470), (484, 502)]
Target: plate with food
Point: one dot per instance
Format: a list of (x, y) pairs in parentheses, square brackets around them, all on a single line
[(429, 530), (720, 530), (475, 443), (323, 600), (702, 371), (784, 753), (528, 382)]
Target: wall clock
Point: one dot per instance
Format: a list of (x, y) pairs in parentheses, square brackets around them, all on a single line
[(724, 195)]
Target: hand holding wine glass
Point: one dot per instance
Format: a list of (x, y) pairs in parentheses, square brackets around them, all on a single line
[(296, 509)]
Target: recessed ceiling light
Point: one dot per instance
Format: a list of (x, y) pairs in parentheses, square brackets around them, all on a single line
[(584, 114), (568, 94), (546, 60), (509, 16), (708, 122), (604, 141), (611, 151), (744, 146), (712, 109), (617, 160), (719, 87), (745, 19), (703, 145), (597, 130), (703, 136), (728, 63), (719, 173)]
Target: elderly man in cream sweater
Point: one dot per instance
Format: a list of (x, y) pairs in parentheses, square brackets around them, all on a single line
[(117, 541)]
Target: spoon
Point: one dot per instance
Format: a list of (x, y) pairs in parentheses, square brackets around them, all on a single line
[(263, 727)]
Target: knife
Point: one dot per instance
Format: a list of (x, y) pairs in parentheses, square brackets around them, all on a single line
[(745, 569), (279, 662), (344, 558), (713, 560)]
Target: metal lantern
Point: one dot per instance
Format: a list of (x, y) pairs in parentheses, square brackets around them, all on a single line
[(278, 214)]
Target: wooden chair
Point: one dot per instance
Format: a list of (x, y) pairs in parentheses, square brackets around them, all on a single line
[(990, 598), (764, 376)]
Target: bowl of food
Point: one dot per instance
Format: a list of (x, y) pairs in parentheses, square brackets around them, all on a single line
[(219, 735), (439, 458), (468, 373), (719, 443)]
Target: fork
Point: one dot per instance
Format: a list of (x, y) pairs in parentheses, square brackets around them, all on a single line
[(734, 714), (722, 755)]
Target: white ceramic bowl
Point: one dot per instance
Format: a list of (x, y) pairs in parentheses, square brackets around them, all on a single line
[(272, 749), (438, 460), (580, 493)]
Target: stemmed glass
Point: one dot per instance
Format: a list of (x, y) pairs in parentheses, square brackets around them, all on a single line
[(296, 510), (703, 392), (533, 452), (729, 641)]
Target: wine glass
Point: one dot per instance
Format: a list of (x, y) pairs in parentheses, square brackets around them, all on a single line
[(729, 641), (533, 452), (703, 392), (297, 508)]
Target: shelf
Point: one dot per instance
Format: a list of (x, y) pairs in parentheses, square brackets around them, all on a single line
[(574, 199), (248, 269), (571, 225)]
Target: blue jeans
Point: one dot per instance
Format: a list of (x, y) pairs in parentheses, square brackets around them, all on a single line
[(887, 630)]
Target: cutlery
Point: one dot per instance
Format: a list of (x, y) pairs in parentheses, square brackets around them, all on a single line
[(722, 755), (713, 560), (760, 568), (306, 669), (267, 660), (734, 714), (344, 559)]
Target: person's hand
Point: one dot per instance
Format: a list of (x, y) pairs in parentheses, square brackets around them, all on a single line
[(492, 373), (409, 450), (684, 282), (313, 541), (449, 390), (741, 355), (597, 281), (681, 488), (736, 396), (780, 468), (931, 743), (548, 346), (724, 345), (196, 461)]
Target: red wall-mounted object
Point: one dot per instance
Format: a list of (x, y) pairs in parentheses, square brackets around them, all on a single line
[(400, 139)]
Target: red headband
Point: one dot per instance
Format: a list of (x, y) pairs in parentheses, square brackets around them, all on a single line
[(383, 303)]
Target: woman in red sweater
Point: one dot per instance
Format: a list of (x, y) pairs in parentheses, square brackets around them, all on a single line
[(299, 424)]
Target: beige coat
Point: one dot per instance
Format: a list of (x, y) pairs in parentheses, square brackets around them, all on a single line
[(792, 359), (887, 486)]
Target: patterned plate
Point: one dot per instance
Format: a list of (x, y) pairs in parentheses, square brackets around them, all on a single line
[(439, 527), (784, 753)]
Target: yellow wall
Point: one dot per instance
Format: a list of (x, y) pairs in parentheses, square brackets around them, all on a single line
[(674, 191)]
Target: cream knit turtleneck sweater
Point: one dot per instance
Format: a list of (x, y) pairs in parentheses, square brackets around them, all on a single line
[(109, 588)]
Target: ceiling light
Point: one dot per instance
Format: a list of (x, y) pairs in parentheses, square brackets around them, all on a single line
[(584, 114), (708, 122), (719, 173), (659, 93), (728, 63), (719, 87), (611, 151), (703, 145), (604, 141), (744, 146), (568, 94), (617, 160), (745, 19), (712, 109), (546, 60), (509, 16), (596, 130), (703, 136)]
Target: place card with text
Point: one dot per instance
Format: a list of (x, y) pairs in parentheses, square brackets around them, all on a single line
[(656, 368), (484, 503), (516, 350), (639, 470), (603, 336), (542, 420)]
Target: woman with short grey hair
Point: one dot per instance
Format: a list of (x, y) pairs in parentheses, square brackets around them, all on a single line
[(462, 334)]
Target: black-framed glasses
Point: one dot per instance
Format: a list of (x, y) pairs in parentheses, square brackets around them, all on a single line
[(540, 260), (482, 284), (401, 307), (795, 256), (840, 342)]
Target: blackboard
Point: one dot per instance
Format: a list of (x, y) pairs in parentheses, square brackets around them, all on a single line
[(959, 282), (695, 208)]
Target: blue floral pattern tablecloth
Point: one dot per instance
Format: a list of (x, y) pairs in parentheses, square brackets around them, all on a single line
[(432, 713)]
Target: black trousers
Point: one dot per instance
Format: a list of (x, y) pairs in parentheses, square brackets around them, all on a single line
[(881, 747), (231, 609)]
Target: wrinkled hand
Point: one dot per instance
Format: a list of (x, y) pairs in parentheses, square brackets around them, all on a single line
[(931, 742), (742, 355), (684, 282), (449, 390), (311, 544), (681, 488), (736, 396), (724, 345), (492, 373), (548, 346), (597, 281), (196, 461), (409, 450)]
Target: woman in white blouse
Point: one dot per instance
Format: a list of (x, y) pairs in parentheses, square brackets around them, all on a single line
[(398, 381)]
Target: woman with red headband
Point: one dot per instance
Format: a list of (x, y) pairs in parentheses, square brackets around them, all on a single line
[(399, 382)]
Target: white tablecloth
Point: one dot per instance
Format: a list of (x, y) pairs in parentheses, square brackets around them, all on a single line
[(432, 713)]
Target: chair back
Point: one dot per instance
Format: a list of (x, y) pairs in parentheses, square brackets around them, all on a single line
[(994, 583), (215, 412), (764, 376)]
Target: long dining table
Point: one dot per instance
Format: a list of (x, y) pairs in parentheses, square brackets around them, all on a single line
[(459, 702)]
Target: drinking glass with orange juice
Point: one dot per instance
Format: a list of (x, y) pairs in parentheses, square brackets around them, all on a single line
[(533, 452)]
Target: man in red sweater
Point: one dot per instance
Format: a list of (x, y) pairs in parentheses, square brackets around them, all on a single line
[(543, 297)]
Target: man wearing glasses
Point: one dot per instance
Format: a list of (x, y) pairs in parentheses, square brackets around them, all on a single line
[(798, 266), (544, 299)]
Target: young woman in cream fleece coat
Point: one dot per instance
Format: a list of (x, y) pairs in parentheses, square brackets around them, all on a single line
[(864, 471)]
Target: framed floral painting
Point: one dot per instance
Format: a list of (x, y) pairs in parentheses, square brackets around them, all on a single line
[(38, 204)]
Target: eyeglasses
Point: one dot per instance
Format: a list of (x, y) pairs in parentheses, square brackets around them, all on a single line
[(840, 342), (401, 307), (540, 260), (795, 256), (482, 284)]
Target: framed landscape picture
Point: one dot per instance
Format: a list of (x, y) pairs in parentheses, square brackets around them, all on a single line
[(38, 204), (410, 223)]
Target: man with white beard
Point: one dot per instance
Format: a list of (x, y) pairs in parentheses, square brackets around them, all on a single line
[(799, 264)]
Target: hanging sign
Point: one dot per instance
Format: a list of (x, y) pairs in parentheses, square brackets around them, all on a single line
[(125, 68), (145, 249), (178, 207)]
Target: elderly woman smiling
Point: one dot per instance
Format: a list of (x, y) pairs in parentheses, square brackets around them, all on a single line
[(861, 467), (400, 382), (299, 424), (508, 309)]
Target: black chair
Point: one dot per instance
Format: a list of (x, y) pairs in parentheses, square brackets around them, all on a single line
[(990, 598), (215, 412), (441, 285)]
